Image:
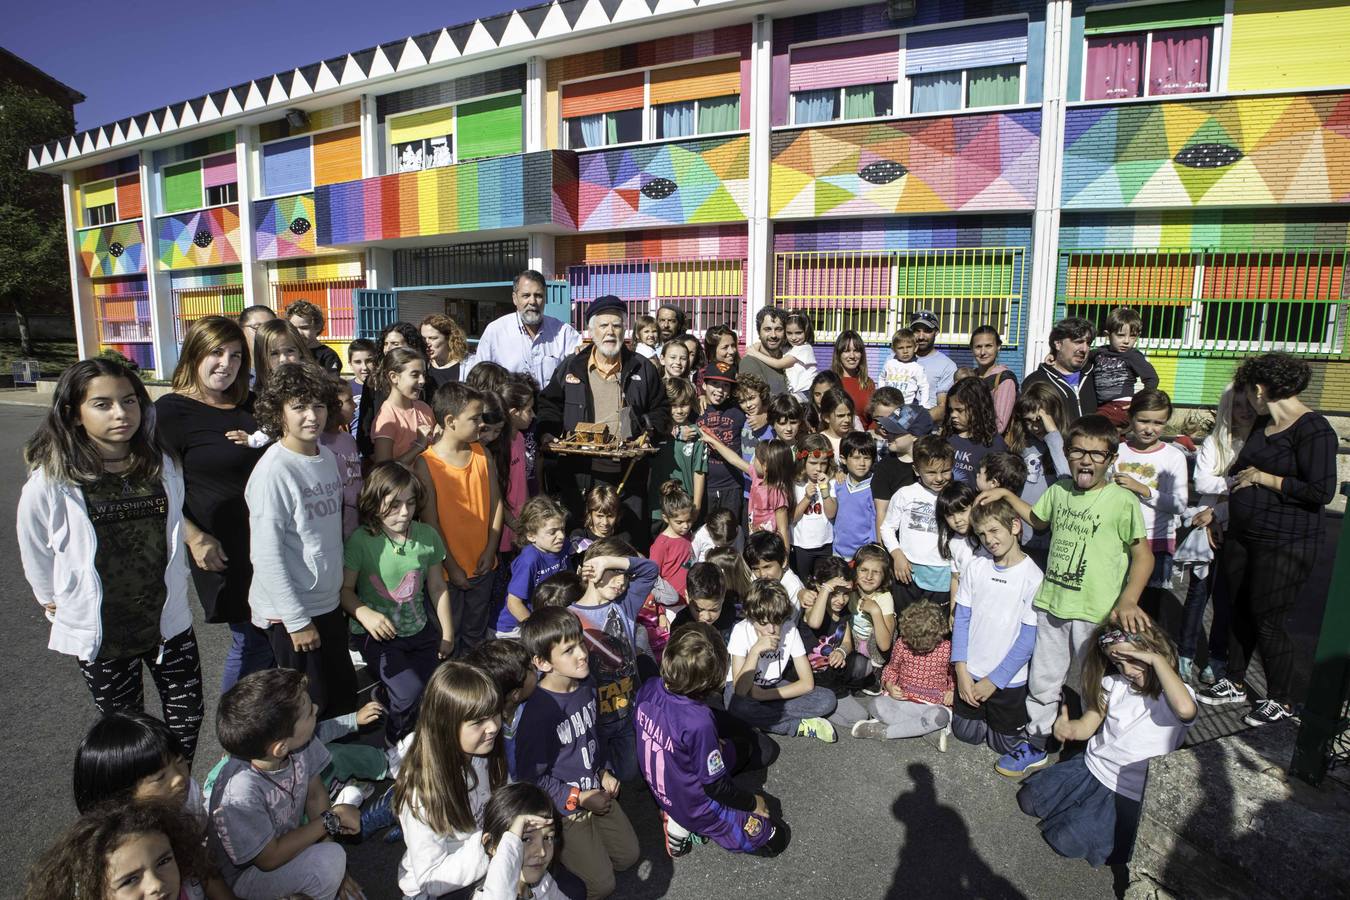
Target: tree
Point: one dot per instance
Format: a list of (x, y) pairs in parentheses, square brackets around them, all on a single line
[(33, 259)]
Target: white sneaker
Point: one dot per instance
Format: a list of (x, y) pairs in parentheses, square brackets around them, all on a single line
[(859, 730)]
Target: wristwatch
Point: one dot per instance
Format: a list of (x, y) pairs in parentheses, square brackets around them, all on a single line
[(331, 823), (573, 798)]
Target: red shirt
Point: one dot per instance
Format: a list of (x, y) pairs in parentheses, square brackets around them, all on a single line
[(861, 398), (925, 678), (674, 557)]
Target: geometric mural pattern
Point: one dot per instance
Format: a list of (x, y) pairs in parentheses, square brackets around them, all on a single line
[(946, 164), (208, 237), (284, 227), (113, 250), (1250, 151), (688, 183)]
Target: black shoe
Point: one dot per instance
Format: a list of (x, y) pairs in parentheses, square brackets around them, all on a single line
[(1221, 693), (1267, 712)]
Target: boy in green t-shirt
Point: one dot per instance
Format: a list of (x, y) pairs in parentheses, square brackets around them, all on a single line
[(684, 457), (1099, 565)]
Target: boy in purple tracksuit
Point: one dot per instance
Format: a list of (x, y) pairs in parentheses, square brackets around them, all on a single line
[(558, 748), (685, 763)]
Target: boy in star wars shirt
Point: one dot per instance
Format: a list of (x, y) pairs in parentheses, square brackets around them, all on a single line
[(617, 584), (687, 765)]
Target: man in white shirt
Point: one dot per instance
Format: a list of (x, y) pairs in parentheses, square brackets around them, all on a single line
[(938, 366), (527, 340)]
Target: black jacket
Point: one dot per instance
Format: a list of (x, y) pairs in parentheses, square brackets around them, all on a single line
[(566, 400), (1079, 400)]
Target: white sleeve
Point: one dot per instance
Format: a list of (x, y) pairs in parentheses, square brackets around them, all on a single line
[(487, 345), (924, 394), (503, 872), (439, 864), (34, 531), (1206, 480), (258, 439), (792, 644), (890, 526), (269, 522)]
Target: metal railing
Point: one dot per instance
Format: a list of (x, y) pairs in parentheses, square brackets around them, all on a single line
[(874, 292), (124, 318), (709, 291), (484, 261), (333, 297), (1222, 303), (191, 304)]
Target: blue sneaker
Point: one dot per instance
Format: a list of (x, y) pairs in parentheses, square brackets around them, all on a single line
[(379, 815), (1021, 760)]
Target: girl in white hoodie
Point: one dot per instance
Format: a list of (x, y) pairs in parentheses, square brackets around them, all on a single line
[(100, 529), (452, 762)]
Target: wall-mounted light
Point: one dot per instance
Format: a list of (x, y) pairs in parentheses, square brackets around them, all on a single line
[(297, 118)]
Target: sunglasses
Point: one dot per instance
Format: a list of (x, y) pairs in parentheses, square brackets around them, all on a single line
[(815, 454)]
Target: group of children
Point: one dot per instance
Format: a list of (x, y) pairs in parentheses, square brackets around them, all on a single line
[(932, 574)]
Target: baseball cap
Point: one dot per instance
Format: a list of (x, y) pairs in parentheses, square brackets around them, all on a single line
[(910, 419), (925, 318), (720, 371)]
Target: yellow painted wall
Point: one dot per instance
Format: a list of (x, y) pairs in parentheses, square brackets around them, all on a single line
[(1280, 44)]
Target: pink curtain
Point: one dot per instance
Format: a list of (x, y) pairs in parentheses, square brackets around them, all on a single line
[(1179, 61), (1113, 66)]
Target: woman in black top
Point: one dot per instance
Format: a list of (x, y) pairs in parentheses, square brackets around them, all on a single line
[(210, 398), (448, 356), (1283, 477)]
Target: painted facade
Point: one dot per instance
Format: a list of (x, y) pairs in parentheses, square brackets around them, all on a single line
[(841, 161)]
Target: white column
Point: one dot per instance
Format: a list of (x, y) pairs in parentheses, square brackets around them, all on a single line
[(157, 278), (535, 131), (81, 289), (542, 257), (1045, 223), (759, 262), (256, 290), (370, 138)]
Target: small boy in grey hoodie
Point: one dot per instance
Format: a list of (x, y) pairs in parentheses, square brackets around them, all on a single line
[(295, 537)]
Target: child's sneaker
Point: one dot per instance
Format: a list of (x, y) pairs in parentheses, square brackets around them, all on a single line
[(380, 815), (817, 728), (938, 738), (1185, 667), (872, 729), (678, 841), (1267, 713), (1222, 693), (1021, 760)]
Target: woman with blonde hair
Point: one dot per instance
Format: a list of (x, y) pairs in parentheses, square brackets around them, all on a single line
[(448, 356)]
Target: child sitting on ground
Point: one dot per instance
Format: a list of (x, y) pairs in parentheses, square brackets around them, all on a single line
[(507, 664), (270, 781), (520, 830), (707, 601), (559, 748), (722, 529), (687, 766), (766, 557), (916, 685), (762, 646), (870, 628), (1136, 707), (995, 633)]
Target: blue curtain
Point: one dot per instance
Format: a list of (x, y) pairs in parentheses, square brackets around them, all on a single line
[(676, 120), (592, 130), (936, 92), (816, 106)]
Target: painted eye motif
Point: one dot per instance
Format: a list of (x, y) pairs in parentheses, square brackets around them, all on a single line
[(659, 188), (116, 249), (202, 238), (299, 225), (883, 171), (1208, 156)]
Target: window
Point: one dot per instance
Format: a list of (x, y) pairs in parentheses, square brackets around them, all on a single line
[(427, 153), (101, 215), (691, 117), (966, 89), (603, 129), (493, 126), (1152, 50), (220, 194), (861, 101)]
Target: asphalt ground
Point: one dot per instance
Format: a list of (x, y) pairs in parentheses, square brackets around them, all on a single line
[(869, 819)]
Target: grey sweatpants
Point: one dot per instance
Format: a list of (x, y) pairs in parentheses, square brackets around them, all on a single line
[(1056, 664), (903, 718)]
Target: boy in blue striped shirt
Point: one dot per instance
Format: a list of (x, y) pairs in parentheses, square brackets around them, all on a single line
[(855, 522)]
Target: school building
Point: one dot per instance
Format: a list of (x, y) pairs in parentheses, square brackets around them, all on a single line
[(1000, 161)]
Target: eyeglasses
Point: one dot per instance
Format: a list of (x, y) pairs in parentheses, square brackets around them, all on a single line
[(1097, 456), (815, 454)]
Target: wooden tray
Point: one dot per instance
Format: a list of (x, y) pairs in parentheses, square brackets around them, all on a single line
[(628, 452)]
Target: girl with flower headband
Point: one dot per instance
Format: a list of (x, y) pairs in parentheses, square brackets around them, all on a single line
[(813, 504), (1136, 707)]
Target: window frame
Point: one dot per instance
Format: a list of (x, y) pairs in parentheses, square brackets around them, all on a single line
[(256, 161), (390, 162), (159, 182), (655, 108), (647, 109), (117, 218), (965, 90), (842, 99), (1216, 39)]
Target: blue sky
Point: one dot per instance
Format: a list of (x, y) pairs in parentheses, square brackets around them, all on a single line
[(129, 58)]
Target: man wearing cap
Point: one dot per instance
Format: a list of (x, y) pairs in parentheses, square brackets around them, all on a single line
[(723, 418), (771, 323), (526, 340), (1068, 370), (938, 366), (895, 465), (608, 384)]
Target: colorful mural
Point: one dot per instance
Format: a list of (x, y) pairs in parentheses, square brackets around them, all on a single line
[(692, 182), (708, 242), (505, 192), (113, 250), (966, 163), (122, 306), (207, 237), (1246, 151), (284, 227), (343, 267)]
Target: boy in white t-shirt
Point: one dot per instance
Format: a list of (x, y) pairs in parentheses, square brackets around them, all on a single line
[(994, 633), (909, 531), (766, 558), (903, 372), (761, 647)]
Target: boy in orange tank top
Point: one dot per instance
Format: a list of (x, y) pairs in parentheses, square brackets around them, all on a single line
[(463, 503)]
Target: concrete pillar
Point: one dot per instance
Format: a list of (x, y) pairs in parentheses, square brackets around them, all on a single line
[(1045, 223), (542, 258), (256, 289), (379, 268), (81, 289), (536, 131), (759, 262), (371, 162), (156, 277)]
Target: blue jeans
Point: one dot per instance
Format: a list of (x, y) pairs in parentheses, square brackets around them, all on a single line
[(620, 740), (249, 652), (1198, 594)]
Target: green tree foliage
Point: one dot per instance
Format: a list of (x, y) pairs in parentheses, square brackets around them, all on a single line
[(32, 216)]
